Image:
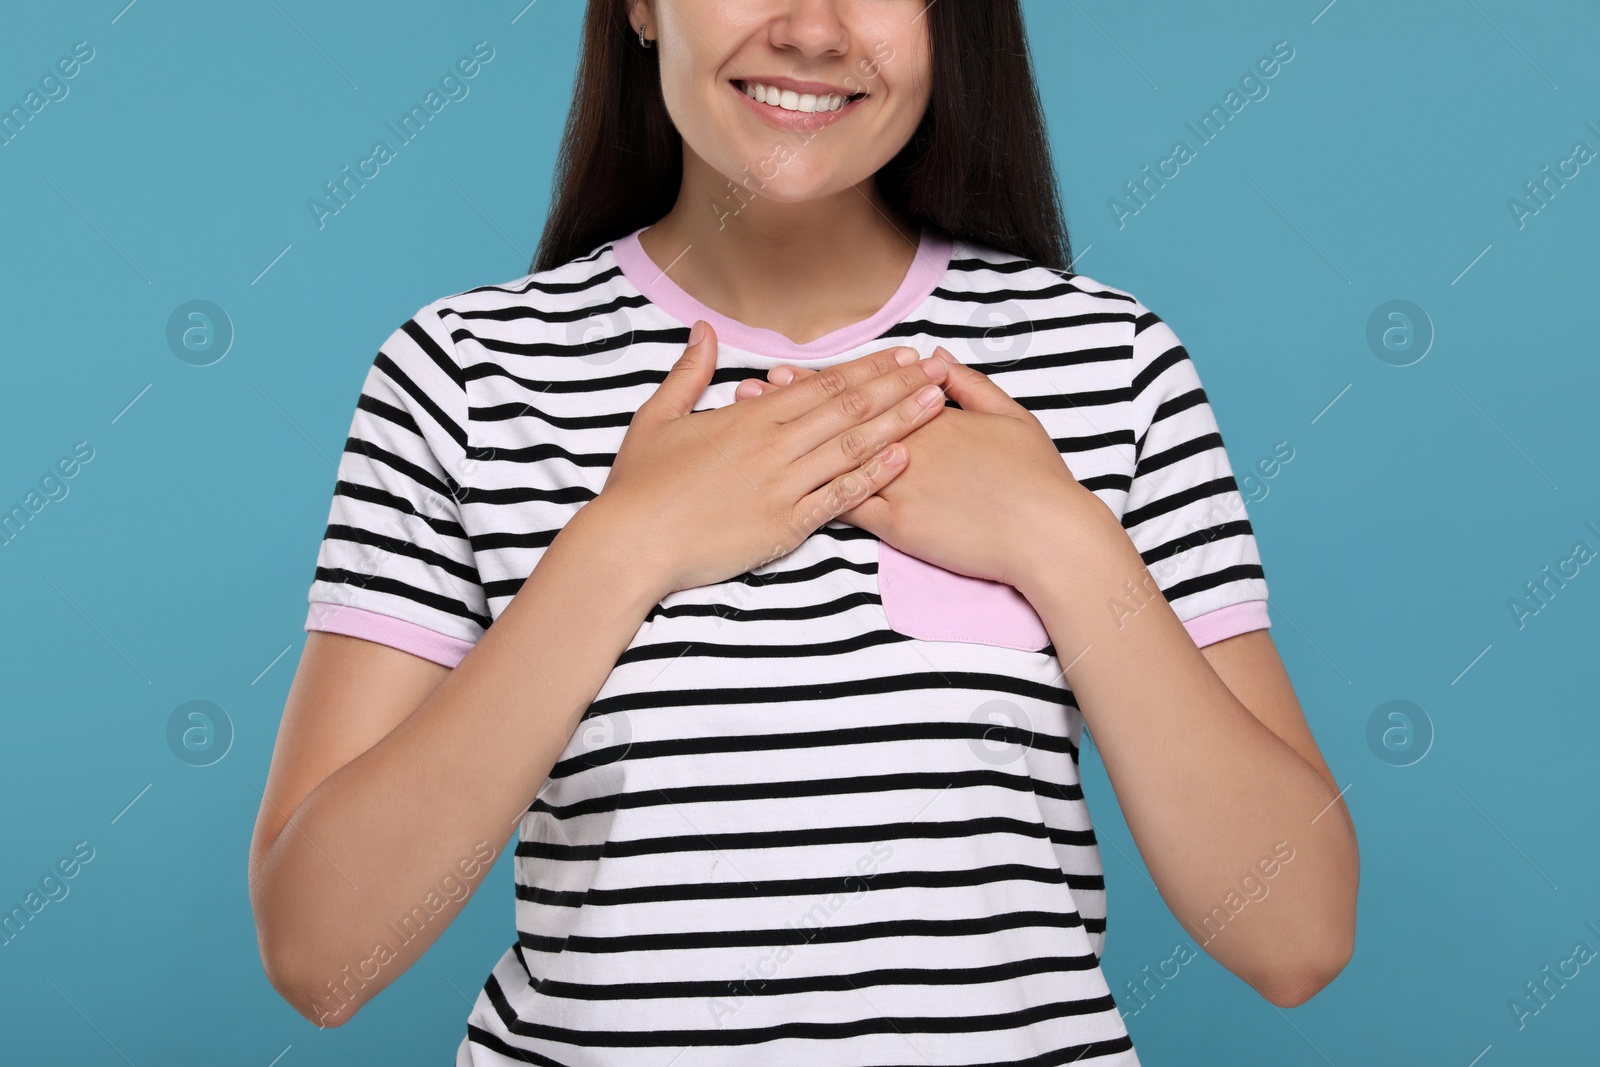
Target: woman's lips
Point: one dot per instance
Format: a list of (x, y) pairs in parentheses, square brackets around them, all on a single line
[(778, 118)]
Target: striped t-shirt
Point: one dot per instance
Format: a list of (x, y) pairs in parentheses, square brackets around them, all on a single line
[(828, 811)]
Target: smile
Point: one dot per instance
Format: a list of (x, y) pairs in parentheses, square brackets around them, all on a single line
[(789, 100), (789, 110)]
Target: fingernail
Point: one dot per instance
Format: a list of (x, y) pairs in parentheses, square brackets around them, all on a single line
[(928, 395), (781, 376), (946, 355), (905, 356), (697, 333)]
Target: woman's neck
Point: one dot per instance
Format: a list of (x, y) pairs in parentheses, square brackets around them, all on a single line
[(802, 270)]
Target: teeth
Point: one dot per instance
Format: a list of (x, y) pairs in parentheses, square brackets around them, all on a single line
[(788, 100)]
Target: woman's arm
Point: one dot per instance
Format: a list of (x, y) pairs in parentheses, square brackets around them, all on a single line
[(393, 781), (1221, 782), (1211, 758), (419, 766)]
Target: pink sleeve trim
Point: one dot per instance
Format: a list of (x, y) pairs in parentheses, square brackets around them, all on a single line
[(387, 630), (1226, 622)]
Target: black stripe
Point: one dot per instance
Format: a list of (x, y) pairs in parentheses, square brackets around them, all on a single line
[(671, 650), (445, 361), (444, 526), (1087, 398), (1083, 1053), (1109, 439), (1236, 528), (380, 584), (546, 314), (624, 380), (978, 265), (801, 837), (823, 983), (974, 926), (1113, 480), (845, 884), (542, 538), (1164, 362), (1212, 579), (852, 687), (789, 613), (1194, 398), (1173, 501), (737, 1036), (417, 393), (1154, 461), (389, 413), (809, 787), (510, 412), (357, 536), (477, 1035), (526, 494), (858, 735), (399, 464)]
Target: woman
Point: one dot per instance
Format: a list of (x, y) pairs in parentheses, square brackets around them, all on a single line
[(788, 670)]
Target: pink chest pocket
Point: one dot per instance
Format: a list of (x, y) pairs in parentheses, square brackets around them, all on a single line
[(933, 604)]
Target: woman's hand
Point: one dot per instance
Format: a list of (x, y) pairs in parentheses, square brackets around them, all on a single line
[(707, 495), (981, 480)]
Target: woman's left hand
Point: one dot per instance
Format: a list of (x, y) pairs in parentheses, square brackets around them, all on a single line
[(980, 481)]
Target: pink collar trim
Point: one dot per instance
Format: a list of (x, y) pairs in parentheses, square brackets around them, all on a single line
[(928, 269)]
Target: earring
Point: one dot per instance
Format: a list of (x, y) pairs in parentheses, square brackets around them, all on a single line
[(643, 42)]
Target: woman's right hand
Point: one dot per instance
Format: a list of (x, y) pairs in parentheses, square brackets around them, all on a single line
[(711, 494)]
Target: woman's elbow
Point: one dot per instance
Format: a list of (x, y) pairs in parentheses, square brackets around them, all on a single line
[(288, 963), (325, 1006), (294, 972), (1295, 988)]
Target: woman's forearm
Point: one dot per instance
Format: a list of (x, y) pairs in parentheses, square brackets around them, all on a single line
[(1210, 793), (371, 845)]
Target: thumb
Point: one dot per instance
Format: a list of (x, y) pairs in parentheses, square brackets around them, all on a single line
[(690, 375), (972, 389)]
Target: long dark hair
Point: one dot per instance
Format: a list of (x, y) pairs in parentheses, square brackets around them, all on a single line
[(978, 166)]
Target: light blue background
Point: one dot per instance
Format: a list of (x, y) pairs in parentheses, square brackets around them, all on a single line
[(1416, 505)]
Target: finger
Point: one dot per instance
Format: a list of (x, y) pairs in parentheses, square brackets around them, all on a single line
[(687, 380), (837, 410), (850, 488), (790, 404), (855, 444), (974, 390), (778, 377), (786, 375)]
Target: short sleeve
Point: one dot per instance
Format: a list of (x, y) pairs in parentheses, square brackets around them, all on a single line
[(1184, 511), (395, 564)]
